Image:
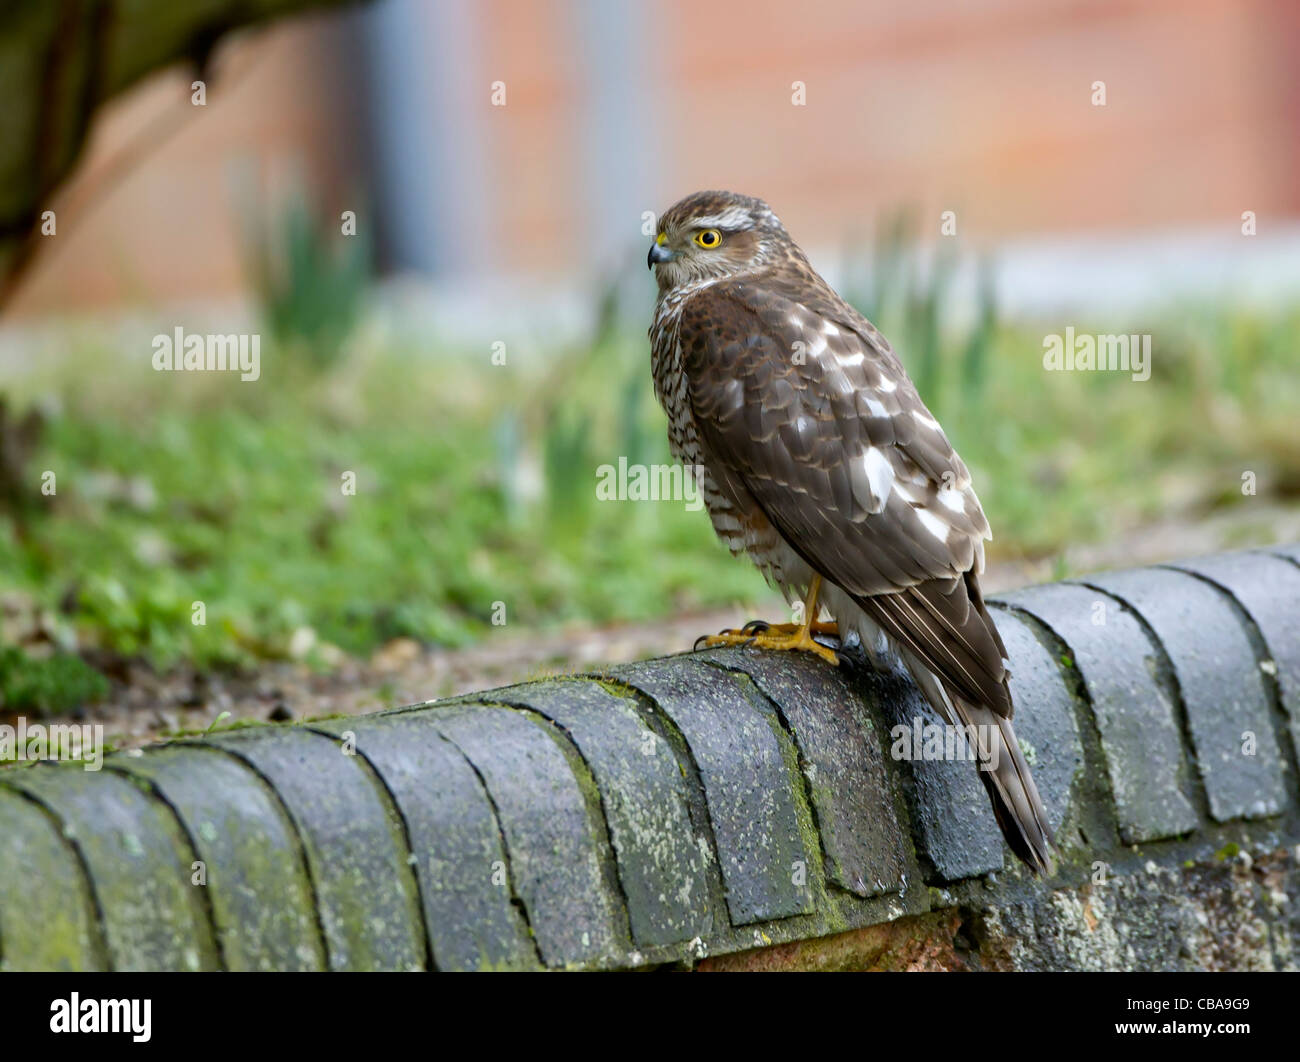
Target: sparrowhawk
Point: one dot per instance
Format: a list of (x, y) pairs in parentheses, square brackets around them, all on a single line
[(818, 459)]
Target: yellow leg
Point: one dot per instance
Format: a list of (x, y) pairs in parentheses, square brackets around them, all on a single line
[(783, 635)]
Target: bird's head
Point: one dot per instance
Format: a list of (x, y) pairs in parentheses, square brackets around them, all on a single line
[(709, 235)]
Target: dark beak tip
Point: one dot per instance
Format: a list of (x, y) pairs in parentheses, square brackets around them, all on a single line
[(658, 253)]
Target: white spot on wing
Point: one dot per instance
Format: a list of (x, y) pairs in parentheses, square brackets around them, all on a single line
[(880, 477), (923, 418), (887, 385), (952, 499), (933, 524)]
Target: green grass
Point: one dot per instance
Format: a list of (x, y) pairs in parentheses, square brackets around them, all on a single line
[(37, 685), (250, 518), (476, 484), (1063, 458)]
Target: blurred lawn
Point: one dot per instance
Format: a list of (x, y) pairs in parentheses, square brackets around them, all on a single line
[(476, 483)]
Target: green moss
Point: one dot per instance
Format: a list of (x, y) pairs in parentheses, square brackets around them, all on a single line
[(223, 728)]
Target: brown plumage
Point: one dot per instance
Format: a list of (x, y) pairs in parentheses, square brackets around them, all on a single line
[(819, 459)]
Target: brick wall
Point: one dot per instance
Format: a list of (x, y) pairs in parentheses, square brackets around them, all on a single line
[(942, 104)]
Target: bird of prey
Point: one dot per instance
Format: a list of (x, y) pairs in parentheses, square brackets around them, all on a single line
[(818, 459)]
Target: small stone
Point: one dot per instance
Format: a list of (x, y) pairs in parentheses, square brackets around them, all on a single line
[(301, 642), (396, 654)]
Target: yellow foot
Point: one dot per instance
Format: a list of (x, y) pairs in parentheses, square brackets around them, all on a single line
[(787, 629), (779, 636)]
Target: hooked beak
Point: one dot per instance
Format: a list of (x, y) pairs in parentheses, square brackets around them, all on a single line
[(659, 253)]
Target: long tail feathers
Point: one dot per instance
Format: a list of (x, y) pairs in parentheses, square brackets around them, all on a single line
[(1016, 804)]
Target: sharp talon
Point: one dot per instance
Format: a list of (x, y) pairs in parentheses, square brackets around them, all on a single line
[(782, 636), (771, 637), (727, 638)]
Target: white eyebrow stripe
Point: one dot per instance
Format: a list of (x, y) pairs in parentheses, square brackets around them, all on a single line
[(731, 218)]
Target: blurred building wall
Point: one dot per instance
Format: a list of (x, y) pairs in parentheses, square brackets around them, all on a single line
[(615, 109)]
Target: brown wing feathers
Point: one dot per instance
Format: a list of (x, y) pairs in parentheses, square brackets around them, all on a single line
[(945, 624), (843, 458)]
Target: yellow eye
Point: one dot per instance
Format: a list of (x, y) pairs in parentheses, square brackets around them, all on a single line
[(708, 238)]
